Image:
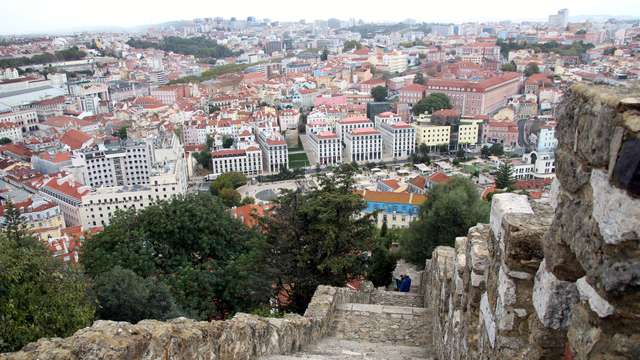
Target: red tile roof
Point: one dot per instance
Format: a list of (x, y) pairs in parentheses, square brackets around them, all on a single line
[(75, 139)]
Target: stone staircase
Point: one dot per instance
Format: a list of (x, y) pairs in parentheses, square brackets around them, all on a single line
[(392, 326)]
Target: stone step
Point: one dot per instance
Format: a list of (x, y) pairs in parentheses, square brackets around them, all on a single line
[(400, 325), (339, 349)]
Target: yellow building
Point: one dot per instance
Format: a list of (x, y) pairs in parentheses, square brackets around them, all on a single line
[(468, 131), (432, 135)]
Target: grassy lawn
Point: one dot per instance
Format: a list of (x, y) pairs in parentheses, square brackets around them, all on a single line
[(298, 160)]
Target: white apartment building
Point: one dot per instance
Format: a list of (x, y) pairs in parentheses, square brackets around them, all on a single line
[(247, 161), (121, 164), (398, 139), (547, 141), (275, 154), (168, 178), (348, 124), (11, 131), (395, 62), (89, 94), (27, 120), (386, 117), (363, 145), (288, 119), (534, 165), (326, 148)]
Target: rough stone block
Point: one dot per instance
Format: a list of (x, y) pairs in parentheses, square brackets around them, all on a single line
[(503, 204), (488, 319), (617, 214), (523, 236), (553, 298), (599, 305)]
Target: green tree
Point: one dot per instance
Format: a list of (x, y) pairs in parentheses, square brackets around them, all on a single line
[(532, 68), (351, 44), (510, 66), (325, 55), (5, 141), (496, 149), (485, 152), (203, 158), (125, 296), (421, 155), (230, 180), (247, 200), (381, 266), (121, 133), (317, 237), (504, 176), (208, 260), (379, 93), (419, 79), (229, 197), (39, 295), (227, 142), (431, 103), (450, 210)]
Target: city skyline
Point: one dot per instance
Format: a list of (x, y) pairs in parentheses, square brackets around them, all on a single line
[(76, 15)]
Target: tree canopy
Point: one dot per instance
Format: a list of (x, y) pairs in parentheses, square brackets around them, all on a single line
[(379, 93), (450, 210), (431, 103), (532, 68), (419, 79), (189, 244), (317, 237), (351, 44), (72, 53), (504, 176), (200, 47), (39, 295)]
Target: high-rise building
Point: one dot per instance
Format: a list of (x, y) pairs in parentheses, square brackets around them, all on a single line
[(559, 20)]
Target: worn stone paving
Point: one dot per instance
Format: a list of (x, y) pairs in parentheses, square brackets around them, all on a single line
[(339, 349)]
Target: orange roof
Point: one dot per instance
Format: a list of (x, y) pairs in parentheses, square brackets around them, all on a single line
[(75, 139), (68, 188), (248, 214), (439, 178), (418, 181), (364, 131), (392, 197), (55, 157), (414, 88)]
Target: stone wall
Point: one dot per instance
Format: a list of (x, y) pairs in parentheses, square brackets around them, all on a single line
[(395, 298), (559, 279), (244, 337), (397, 325)]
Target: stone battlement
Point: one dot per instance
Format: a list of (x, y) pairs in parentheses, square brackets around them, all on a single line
[(557, 280)]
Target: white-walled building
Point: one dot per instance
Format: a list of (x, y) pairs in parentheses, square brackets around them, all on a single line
[(547, 141), (386, 117), (398, 138), (346, 125), (11, 131), (363, 145), (289, 119), (326, 148), (247, 161), (127, 163), (275, 154), (27, 120)]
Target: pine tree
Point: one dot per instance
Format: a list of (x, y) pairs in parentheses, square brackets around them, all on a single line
[(504, 177)]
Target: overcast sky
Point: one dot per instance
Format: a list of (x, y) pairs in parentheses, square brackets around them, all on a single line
[(38, 16)]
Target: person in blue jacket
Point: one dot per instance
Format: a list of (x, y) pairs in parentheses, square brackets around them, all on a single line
[(405, 284)]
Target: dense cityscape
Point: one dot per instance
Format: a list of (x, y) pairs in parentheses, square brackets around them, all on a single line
[(216, 166)]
